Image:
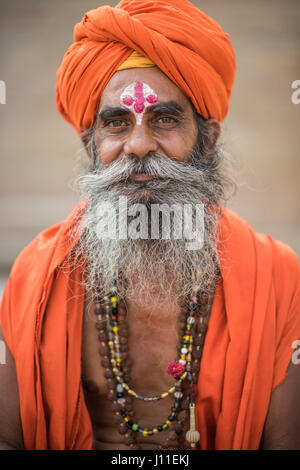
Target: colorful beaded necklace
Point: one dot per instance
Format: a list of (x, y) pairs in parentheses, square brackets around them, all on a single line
[(113, 334)]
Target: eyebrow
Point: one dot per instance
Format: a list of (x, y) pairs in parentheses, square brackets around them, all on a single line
[(171, 107)]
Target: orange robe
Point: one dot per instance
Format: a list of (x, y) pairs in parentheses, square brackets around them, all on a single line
[(254, 320)]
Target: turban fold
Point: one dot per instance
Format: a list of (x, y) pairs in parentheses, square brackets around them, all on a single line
[(188, 46), (136, 60)]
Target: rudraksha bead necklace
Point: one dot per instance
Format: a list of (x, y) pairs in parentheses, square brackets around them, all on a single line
[(113, 346)]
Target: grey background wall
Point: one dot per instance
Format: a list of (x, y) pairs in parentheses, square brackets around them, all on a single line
[(38, 149)]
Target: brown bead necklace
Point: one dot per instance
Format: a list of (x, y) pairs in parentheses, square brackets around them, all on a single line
[(113, 337)]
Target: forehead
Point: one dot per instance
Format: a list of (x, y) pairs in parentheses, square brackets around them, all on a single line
[(162, 86)]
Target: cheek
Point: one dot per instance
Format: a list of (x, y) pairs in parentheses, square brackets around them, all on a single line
[(177, 146), (108, 149)]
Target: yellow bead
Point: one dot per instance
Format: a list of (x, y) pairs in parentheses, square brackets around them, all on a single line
[(155, 431), (115, 329), (164, 426), (145, 432), (111, 344), (168, 422), (187, 338), (113, 299), (125, 419), (164, 395)]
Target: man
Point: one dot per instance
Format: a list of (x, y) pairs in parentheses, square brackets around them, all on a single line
[(92, 321)]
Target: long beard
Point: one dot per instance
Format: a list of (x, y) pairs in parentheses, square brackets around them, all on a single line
[(151, 271)]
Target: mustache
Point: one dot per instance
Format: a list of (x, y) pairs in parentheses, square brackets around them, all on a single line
[(157, 166)]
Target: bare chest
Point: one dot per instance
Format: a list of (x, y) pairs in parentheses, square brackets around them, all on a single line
[(151, 343)]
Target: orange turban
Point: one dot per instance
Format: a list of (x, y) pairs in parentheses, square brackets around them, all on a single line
[(188, 46)]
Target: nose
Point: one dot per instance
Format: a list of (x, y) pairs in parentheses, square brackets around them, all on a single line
[(140, 141)]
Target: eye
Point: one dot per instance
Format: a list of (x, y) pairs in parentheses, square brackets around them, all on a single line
[(116, 123), (166, 120)]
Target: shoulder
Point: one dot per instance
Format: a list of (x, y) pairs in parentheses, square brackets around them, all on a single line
[(31, 273), (233, 225), (48, 248), (269, 261), (273, 264), (41, 244)]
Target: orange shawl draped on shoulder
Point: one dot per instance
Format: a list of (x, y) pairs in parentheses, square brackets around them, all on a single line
[(254, 320)]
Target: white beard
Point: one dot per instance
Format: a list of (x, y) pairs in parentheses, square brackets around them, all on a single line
[(152, 272)]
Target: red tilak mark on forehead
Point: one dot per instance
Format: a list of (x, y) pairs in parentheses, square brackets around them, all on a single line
[(138, 100)]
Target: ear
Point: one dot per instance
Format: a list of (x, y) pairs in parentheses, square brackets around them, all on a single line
[(212, 134), (86, 140)]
